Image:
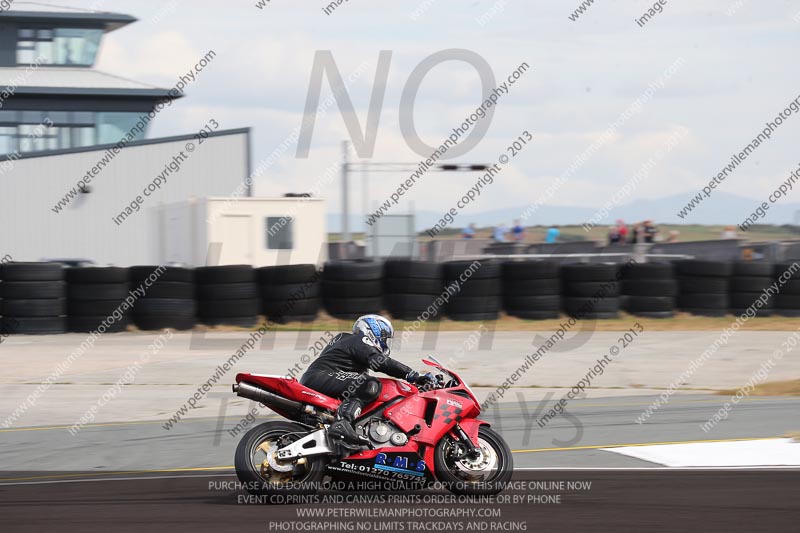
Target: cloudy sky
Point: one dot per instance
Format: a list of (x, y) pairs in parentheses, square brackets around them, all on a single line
[(737, 59)]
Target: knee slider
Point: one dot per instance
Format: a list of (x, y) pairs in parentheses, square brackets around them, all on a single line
[(369, 390)]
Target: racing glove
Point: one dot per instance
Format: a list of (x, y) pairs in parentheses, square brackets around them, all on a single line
[(423, 381)]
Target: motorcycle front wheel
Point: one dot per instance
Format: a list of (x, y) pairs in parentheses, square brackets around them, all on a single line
[(261, 473), (482, 475)]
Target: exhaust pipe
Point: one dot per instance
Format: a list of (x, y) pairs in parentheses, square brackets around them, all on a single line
[(273, 401)]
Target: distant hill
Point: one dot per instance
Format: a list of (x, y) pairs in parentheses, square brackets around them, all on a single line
[(720, 209)]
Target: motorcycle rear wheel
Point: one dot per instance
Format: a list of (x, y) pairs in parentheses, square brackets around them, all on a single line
[(484, 476), (263, 474)]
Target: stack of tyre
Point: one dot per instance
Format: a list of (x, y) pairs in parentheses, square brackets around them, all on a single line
[(649, 289), (352, 288), (703, 286), (289, 293), (33, 298), (532, 289), (590, 290), (411, 288), (168, 300), (787, 301), (95, 296), (227, 295), (747, 285), (476, 289)]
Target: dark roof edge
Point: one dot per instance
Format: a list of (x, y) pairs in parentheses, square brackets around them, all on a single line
[(143, 142), (112, 21), (94, 91)]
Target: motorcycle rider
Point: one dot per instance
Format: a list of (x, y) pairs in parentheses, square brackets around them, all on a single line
[(342, 371)]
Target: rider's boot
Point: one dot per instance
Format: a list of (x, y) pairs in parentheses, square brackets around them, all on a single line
[(343, 429)]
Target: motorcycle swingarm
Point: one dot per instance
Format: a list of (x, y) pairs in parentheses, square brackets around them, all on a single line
[(313, 444)]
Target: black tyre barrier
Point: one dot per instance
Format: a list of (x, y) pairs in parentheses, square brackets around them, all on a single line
[(138, 274), (99, 291), (34, 298), (411, 288), (341, 297), (351, 308), (33, 272), (158, 322), (51, 307), (224, 274), (655, 287), (283, 274), (716, 301), (180, 290), (33, 325), (352, 270), (97, 275), (352, 289), (407, 268), (531, 289), (591, 290), (285, 319), (694, 267), (275, 309), (289, 293), (93, 295), (705, 311), (637, 304), (530, 270), (547, 302), (80, 324), (479, 289), (219, 309), (477, 268), (787, 270), (227, 295), (588, 272), (23, 290), (161, 313), (227, 291), (649, 289), (753, 269), (749, 284), (649, 271), (694, 285)]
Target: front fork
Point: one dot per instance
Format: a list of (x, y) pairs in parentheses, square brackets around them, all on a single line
[(465, 447)]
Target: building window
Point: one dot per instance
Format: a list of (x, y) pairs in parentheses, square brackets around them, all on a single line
[(58, 46), (35, 131), (279, 232)]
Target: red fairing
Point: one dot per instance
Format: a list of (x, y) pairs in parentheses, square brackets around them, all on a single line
[(291, 389), (390, 389)]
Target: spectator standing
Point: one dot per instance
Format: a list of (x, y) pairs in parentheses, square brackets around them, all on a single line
[(635, 230), (650, 231), (552, 234), (517, 232), (469, 232), (613, 235), (499, 234), (622, 229), (729, 233)]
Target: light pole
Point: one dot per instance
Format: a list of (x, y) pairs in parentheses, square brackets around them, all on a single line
[(345, 207)]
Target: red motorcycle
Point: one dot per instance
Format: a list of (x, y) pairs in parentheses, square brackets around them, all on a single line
[(410, 436)]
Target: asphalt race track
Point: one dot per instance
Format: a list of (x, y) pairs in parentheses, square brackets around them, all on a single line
[(138, 476)]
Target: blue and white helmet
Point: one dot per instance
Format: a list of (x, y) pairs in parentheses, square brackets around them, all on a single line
[(377, 329)]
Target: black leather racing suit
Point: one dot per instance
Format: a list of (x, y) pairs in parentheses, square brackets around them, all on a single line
[(342, 371), (343, 366)]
